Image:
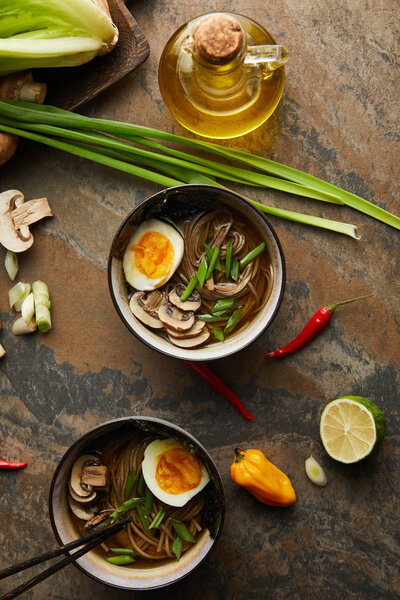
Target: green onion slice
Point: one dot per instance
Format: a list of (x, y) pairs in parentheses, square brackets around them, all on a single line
[(202, 272), (141, 485), (148, 501), (177, 546), (218, 334), (182, 531), (228, 259), (128, 505), (212, 318), (144, 520), (252, 255), (130, 482), (223, 304), (209, 253), (233, 319), (213, 261), (189, 289), (18, 293), (127, 551), (235, 269), (157, 519), (123, 559)]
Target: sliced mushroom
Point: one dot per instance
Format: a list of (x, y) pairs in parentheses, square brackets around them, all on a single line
[(192, 332), (174, 318), (152, 301), (94, 475), (80, 510), (82, 499), (15, 217), (80, 489), (138, 308), (99, 521), (190, 342), (192, 303)]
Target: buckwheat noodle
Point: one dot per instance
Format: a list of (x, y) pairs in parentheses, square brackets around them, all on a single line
[(121, 457)]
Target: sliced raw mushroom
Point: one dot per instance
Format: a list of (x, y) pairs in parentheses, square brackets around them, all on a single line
[(138, 308), (190, 342), (94, 475), (192, 303), (15, 217), (152, 301), (99, 521), (192, 332), (81, 489), (81, 510), (174, 318), (82, 499)]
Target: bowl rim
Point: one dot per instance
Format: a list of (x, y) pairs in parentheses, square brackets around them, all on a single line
[(244, 202), (122, 420)]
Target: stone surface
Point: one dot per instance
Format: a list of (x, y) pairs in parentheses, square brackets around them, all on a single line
[(337, 119)]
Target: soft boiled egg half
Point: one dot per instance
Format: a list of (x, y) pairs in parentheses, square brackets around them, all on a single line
[(172, 473), (152, 255)]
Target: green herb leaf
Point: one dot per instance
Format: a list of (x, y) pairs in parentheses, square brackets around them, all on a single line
[(177, 546), (182, 531), (130, 482)]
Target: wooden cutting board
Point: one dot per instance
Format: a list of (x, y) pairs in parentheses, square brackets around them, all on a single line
[(69, 87)]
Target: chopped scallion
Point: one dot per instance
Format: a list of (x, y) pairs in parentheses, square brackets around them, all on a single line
[(11, 264), (141, 485), (209, 253), (223, 304), (235, 269), (211, 318), (144, 520), (213, 261), (157, 519), (182, 531), (18, 293), (233, 319), (252, 255), (202, 271), (218, 334), (177, 546), (127, 551), (228, 259), (123, 559), (189, 289), (130, 482), (28, 308), (148, 501), (128, 505)]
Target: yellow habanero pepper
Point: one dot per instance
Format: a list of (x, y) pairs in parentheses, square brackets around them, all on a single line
[(253, 471)]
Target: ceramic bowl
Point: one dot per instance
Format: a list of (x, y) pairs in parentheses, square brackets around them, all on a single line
[(93, 564), (184, 200)]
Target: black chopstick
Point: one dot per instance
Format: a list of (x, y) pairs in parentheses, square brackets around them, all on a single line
[(97, 538)]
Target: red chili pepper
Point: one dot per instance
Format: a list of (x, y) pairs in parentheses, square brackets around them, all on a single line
[(207, 375), (314, 326), (6, 464)]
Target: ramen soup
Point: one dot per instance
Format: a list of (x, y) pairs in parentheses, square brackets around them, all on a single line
[(197, 280), (161, 483)]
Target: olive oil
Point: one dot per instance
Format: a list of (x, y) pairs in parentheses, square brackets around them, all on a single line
[(216, 95)]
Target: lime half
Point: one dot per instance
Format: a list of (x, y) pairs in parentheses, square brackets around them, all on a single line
[(351, 428)]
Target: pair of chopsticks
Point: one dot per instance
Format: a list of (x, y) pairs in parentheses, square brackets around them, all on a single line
[(92, 540)]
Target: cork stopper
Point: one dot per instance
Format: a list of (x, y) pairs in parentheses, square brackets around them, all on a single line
[(218, 39)]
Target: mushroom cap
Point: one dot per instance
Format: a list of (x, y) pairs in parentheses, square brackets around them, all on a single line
[(190, 342), (137, 304), (192, 332), (17, 240), (82, 499), (174, 318), (76, 474), (192, 303), (80, 510)]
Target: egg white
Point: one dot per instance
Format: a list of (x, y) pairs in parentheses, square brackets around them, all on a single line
[(132, 274), (149, 467)]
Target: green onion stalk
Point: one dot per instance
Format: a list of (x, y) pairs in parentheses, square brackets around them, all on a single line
[(91, 138)]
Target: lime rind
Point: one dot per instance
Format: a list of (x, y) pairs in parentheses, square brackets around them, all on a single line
[(367, 427)]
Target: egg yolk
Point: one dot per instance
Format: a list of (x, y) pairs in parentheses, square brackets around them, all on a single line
[(154, 255), (178, 471)]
